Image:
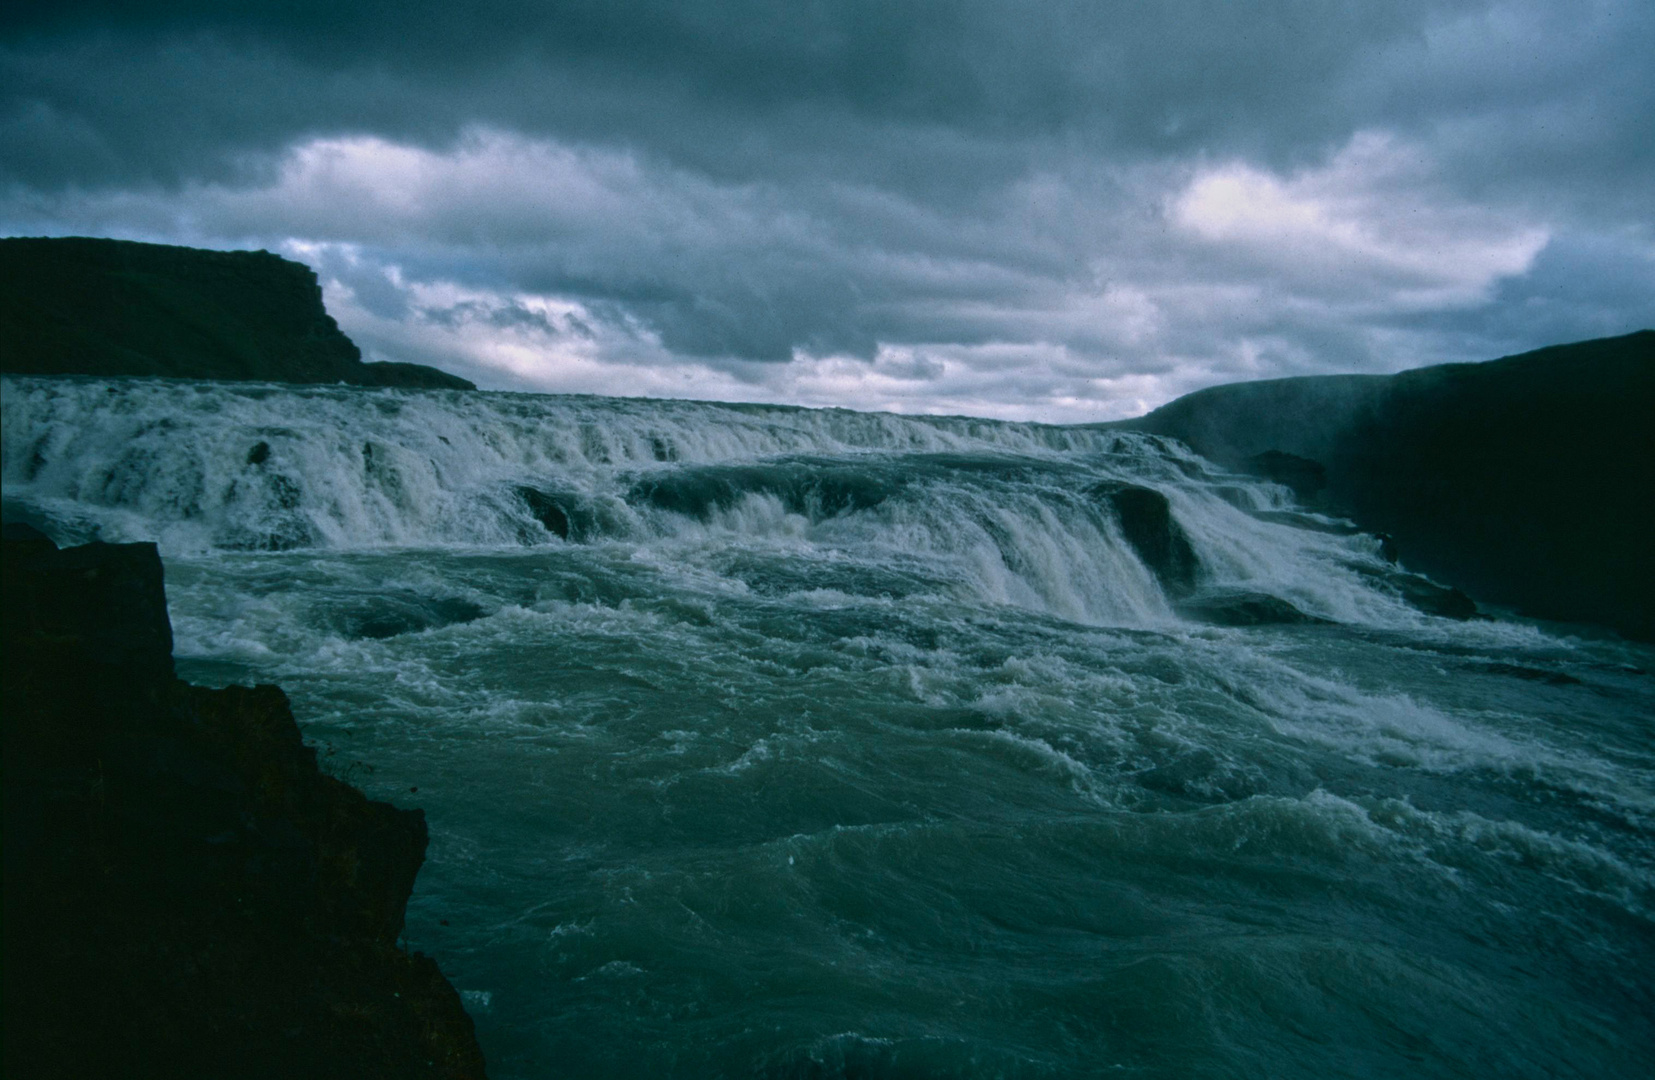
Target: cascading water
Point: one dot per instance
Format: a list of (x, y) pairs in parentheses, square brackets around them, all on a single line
[(783, 742)]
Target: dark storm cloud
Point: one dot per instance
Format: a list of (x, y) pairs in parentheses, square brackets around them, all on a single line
[(986, 205), (724, 86)]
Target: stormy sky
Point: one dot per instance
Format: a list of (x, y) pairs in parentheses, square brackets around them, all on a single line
[(1042, 210)]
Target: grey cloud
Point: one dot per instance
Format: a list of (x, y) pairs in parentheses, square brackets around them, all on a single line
[(728, 88), (505, 316), (1581, 286), (934, 192), (372, 286)]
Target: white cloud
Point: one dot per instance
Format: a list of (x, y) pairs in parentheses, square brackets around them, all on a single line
[(1078, 291), (1371, 221)]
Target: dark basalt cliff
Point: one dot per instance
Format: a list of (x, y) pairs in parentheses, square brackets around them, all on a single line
[(185, 893), (80, 306), (1527, 481)]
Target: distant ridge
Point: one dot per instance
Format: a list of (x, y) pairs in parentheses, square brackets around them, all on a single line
[(1527, 481), (84, 306)]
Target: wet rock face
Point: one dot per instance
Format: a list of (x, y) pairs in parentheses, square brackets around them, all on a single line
[(1304, 477), (1146, 520), (1241, 608), (1422, 594), (1425, 595), (185, 893), (552, 511)]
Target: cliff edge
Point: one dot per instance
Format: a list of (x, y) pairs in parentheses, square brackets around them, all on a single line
[(185, 893), (1527, 481), (83, 306)]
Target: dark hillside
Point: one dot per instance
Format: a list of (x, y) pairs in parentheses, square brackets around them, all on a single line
[(79, 306), (1527, 481)]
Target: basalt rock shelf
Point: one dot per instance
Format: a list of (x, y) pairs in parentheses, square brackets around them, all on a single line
[(186, 894)]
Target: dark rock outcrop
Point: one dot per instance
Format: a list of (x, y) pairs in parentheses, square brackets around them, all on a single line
[(1309, 522), (1528, 674), (1304, 477), (390, 612), (546, 509), (185, 893), (83, 306), (1146, 521), (1423, 594), (1527, 481), (1234, 607), (813, 489)]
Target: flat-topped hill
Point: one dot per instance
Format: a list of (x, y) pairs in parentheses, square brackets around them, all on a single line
[(82, 306), (1527, 481)]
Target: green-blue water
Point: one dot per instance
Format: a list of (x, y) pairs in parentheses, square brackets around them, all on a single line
[(832, 744)]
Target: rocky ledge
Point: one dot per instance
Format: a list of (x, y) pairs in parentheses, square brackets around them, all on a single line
[(1527, 481), (186, 894), (86, 306)]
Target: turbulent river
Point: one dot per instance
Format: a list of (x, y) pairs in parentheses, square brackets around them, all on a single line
[(768, 742)]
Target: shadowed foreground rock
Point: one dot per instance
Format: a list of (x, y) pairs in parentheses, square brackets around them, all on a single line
[(84, 306), (185, 893)]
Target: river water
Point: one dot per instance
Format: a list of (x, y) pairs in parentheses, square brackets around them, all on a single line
[(761, 741)]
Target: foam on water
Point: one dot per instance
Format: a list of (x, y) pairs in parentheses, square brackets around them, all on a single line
[(833, 744), (999, 511)]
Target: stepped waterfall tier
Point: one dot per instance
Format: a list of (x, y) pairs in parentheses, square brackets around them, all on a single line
[(763, 741)]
